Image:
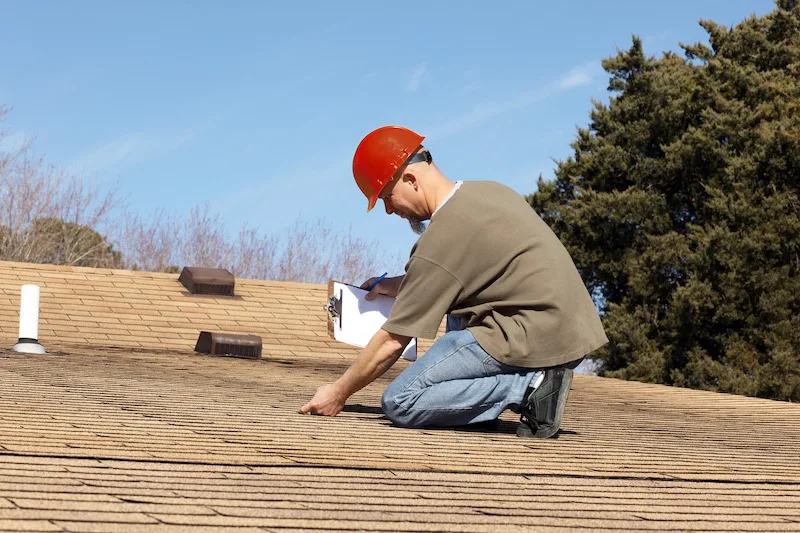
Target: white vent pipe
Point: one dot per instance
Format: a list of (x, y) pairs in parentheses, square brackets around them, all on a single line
[(29, 321)]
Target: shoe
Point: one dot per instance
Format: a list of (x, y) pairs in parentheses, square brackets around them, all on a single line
[(542, 408)]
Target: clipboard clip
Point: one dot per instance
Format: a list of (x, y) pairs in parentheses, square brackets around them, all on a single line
[(334, 308)]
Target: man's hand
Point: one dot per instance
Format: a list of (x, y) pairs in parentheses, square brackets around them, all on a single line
[(380, 353), (389, 287), (328, 401)]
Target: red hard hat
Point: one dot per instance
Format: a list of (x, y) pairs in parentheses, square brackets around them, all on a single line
[(378, 157)]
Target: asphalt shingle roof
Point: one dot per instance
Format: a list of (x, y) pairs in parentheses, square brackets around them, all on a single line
[(129, 430)]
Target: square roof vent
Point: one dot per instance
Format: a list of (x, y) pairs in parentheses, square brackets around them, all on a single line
[(199, 280), (233, 344)]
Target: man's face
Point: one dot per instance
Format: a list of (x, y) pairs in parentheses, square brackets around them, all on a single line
[(396, 198)]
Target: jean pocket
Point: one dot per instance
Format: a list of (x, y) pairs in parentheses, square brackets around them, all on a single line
[(492, 366)]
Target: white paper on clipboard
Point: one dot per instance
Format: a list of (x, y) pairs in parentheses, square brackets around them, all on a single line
[(355, 320)]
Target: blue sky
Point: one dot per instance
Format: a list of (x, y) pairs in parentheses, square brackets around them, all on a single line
[(257, 107)]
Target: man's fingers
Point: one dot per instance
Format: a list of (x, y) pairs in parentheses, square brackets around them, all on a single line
[(306, 409), (367, 283)]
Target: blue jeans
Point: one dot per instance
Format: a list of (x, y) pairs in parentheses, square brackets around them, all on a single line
[(455, 383)]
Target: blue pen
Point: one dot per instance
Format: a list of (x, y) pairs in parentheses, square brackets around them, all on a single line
[(377, 281)]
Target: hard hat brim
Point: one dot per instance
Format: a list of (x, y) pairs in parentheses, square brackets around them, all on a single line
[(371, 202)]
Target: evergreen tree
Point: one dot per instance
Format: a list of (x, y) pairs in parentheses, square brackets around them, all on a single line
[(57, 242), (681, 207)]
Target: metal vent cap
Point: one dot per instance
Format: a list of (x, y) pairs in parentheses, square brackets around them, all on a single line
[(231, 344), (200, 280)]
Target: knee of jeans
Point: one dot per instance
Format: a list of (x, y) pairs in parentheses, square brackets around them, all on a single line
[(394, 410)]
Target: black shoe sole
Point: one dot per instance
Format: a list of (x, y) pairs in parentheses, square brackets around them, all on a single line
[(525, 431)]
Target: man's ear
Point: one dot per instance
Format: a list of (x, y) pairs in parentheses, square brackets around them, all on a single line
[(411, 179)]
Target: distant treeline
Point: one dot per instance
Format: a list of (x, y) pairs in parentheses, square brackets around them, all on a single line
[(52, 217)]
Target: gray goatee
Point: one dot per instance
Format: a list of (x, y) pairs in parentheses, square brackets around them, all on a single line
[(417, 226)]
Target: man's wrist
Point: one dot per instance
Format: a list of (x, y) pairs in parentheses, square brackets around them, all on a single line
[(341, 389), (395, 285)]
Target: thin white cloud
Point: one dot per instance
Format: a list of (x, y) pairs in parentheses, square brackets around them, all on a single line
[(128, 150), (656, 39), (109, 155), (486, 111), (471, 81), (579, 76), (269, 194), (470, 88), (416, 77), (483, 112)]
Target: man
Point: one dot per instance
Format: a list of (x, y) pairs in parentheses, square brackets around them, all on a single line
[(519, 318)]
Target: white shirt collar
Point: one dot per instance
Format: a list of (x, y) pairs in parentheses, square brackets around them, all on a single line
[(450, 195)]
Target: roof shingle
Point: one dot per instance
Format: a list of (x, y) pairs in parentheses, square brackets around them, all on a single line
[(129, 430)]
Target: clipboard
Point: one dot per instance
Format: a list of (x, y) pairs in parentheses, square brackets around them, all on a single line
[(353, 320)]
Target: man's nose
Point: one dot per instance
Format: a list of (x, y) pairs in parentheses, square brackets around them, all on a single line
[(388, 205)]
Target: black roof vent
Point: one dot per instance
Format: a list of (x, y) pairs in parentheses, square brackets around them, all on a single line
[(199, 280), (233, 344)]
